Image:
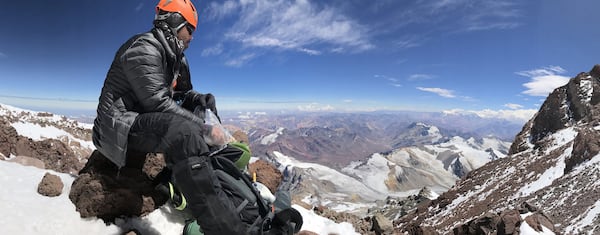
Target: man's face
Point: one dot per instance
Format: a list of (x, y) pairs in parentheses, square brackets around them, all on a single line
[(185, 35)]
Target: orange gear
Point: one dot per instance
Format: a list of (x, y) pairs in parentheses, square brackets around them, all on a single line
[(183, 7)]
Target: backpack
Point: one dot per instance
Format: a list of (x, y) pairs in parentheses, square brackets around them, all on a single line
[(256, 215)]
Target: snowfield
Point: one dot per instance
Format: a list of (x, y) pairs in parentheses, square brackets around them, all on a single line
[(24, 211)]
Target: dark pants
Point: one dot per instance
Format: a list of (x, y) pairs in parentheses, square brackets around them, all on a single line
[(186, 154), (178, 138)]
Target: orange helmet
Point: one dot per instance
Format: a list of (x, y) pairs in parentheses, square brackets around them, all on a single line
[(183, 7)]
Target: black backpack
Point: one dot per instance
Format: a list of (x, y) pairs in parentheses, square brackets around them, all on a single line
[(254, 215)]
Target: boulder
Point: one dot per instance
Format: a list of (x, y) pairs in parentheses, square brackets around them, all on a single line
[(266, 173), (104, 191), (50, 186), (381, 225)]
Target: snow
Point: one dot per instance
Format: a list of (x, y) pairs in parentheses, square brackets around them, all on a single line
[(588, 218), (342, 182), (320, 225), (37, 132), (547, 177), (586, 90), (24, 211), (373, 173), (269, 139)]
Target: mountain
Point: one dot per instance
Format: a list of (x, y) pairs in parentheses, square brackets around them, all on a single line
[(548, 181), (337, 139), (359, 185)]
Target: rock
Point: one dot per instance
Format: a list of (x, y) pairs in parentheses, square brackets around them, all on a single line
[(266, 173), (104, 191), (28, 161), (510, 220), (241, 136), (595, 71), (50, 186), (485, 224), (537, 220), (381, 225)]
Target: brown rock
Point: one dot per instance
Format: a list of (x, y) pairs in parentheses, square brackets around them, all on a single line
[(595, 71), (241, 136), (266, 173), (536, 221), (104, 191), (381, 225), (510, 220), (50, 186)]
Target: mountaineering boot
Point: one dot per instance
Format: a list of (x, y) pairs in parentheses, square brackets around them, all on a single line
[(209, 204)]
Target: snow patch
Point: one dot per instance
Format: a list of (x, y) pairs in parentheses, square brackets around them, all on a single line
[(269, 139), (37, 133), (547, 177)]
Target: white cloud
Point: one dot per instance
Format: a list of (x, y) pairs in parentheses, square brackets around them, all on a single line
[(408, 43), (240, 61), (292, 25), (2, 55), (543, 81), (550, 70), (216, 11), (315, 107), (439, 91), (214, 50), (516, 115), (416, 77), (393, 81), (513, 106)]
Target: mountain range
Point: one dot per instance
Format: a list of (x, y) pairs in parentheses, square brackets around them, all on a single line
[(477, 178)]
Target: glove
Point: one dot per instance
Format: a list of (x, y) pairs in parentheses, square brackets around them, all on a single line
[(194, 100)]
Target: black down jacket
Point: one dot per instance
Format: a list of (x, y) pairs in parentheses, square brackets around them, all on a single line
[(138, 81)]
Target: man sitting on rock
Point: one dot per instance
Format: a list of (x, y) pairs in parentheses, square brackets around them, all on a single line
[(142, 108)]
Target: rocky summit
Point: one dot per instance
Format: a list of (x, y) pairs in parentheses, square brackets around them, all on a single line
[(548, 181)]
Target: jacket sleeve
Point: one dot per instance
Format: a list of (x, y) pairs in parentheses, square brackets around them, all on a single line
[(144, 69)]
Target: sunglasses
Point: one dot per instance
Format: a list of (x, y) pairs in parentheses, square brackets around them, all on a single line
[(190, 28)]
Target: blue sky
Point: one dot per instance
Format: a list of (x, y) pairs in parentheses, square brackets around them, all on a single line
[(491, 57)]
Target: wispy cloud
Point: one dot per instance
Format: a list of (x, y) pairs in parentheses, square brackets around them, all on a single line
[(513, 115), (544, 80), (513, 106), (438, 91), (2, 55), (419, 77), (315, 107), (291, 26), (391, 80), (214, 50), (139, 7), (478, 15), (240, 61), (408, 42)]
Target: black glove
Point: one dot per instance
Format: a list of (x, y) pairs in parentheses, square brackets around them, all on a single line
[(194, 100)]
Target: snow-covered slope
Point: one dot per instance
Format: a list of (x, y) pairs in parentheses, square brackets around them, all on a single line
[(400, 173), (552, 169), (24, 211)]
